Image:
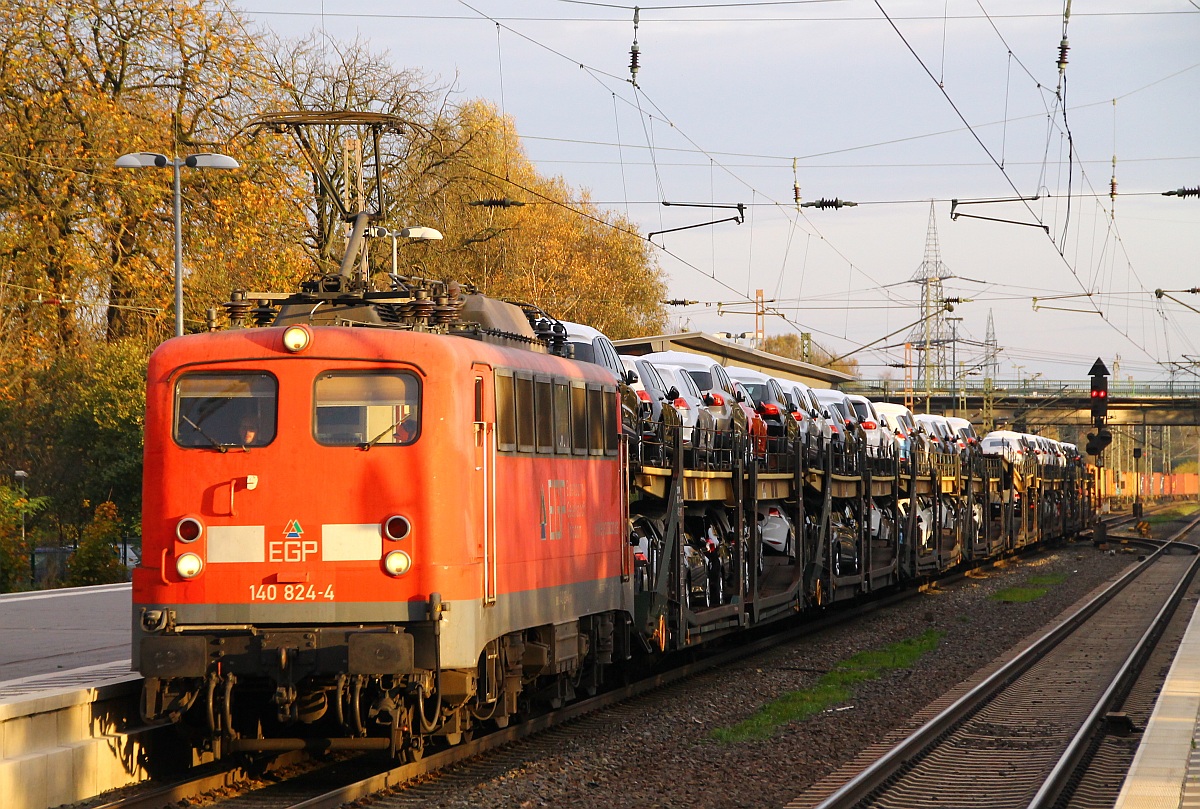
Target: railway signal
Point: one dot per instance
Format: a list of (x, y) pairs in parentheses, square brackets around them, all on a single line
[(1099, 394), (1098, 440)]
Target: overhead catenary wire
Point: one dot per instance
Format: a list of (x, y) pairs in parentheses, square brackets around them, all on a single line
[(660, 147), (1062, 96)]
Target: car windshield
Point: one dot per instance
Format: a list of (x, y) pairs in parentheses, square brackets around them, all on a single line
[(703, 379), (757, 390), (225, 410), (864, 412), (584, 352)]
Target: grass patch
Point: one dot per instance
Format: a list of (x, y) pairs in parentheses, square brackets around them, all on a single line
[(1047, 579), (1172, 513), (1019, 595), (1033, 589), (834, 687)]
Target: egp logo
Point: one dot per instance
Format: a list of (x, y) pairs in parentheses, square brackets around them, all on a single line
[(293, 547)]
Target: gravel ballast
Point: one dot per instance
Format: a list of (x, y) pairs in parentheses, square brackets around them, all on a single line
[(658, 750)]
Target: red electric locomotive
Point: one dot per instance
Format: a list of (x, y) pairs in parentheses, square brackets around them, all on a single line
[(363, 536)]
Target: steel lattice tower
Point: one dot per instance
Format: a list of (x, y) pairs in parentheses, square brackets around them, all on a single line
[(929, 336), (991, 367)]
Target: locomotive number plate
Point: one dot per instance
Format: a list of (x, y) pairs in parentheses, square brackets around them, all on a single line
[(290, 592)]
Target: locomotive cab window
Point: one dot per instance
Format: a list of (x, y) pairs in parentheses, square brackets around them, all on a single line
[(562, 418), (219, 411), (366, 409)]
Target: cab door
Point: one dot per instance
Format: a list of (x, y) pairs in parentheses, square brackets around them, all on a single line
[(484, 477)]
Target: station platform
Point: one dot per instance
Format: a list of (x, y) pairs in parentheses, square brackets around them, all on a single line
[(49, 631), (1166, 768), (68, 699)]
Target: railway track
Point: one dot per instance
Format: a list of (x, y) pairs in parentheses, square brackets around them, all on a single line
[(1023, 736), (353, 778), (350, 780)]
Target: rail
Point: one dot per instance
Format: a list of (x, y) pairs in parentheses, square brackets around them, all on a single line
[(917, 744), (1060, 777)]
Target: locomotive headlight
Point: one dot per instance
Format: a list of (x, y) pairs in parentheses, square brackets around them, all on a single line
[(396, 527), (189, 565), (188, 529), (397, 563), (296, 338)]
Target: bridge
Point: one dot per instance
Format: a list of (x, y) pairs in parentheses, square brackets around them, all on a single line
[(1028, 404)]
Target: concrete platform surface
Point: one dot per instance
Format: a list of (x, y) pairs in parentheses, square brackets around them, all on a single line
[(45, 631), (1166, 769)]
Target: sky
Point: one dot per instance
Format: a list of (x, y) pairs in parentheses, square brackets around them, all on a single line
[(898, 105)]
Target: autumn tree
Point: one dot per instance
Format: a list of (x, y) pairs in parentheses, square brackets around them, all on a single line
[(97, 560), (77, 427), (14, 555), (789, 345), (440, 167), (556, 249), (87, 250)]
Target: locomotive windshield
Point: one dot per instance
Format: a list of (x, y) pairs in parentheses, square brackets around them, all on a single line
[(365, 409), (225, 410)]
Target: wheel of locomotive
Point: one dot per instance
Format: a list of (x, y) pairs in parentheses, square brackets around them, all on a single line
[(412, 747)]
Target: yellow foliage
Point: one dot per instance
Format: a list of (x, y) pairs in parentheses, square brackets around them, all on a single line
[(788, 345)]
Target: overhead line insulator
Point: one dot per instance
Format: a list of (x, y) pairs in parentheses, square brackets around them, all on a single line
[(504, 202), (1063, 47), (634, 50), (828, 203), (1183, 192)]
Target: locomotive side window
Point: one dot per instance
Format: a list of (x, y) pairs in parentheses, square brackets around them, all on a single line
[(366, 409), (225, 410), (597, 426), (611, 425), (579, 421), (544, 392), (506, 425), (562, 418), (525, 421)]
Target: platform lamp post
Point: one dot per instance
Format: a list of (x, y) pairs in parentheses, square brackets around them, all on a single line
[(21, 475), (204, 160)]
